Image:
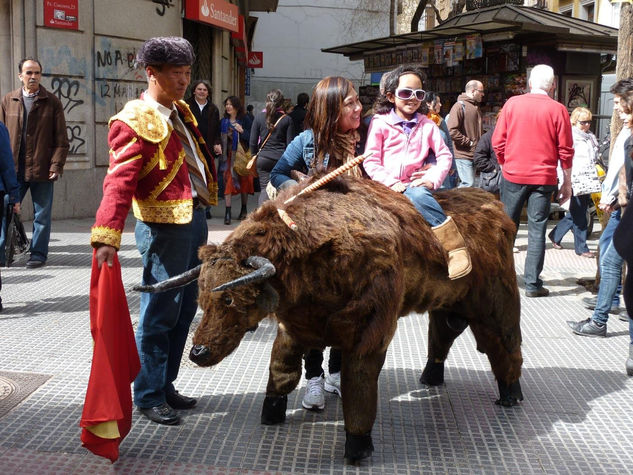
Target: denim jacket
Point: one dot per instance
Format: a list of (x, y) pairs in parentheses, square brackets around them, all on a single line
[(299, 155)]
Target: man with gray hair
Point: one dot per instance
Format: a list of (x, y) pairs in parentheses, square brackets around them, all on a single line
[(532, 135), (464, 127), (159, 165)]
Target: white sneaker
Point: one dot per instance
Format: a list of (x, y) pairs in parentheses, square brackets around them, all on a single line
[(314, 399), (333, 383)]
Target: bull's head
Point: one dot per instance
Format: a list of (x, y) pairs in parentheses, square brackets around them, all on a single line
[(234, 296)]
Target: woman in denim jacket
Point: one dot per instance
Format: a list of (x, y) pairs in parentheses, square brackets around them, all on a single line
[(331, 139)]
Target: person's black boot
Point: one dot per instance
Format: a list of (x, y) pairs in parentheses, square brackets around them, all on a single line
[(243, 213), (227, 215)]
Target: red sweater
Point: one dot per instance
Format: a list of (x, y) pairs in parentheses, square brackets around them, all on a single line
[(532, 135)]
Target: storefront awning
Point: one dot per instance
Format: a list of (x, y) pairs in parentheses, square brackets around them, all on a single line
[(263, 5), (571, 33)]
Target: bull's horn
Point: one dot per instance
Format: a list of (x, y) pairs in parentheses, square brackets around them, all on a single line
[(179, 280), (263, 270)]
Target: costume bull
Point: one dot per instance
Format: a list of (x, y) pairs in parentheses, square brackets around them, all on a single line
[(356, 257)]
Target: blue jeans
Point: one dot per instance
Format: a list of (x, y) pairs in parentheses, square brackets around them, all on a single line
[(42, 197), (575, 219), (538, 197), (426, 205), (450, 181), (166, 250), (610, 271), (465, 171)]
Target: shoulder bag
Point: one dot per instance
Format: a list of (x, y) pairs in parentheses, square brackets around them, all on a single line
[(251, 165), (241, 158)]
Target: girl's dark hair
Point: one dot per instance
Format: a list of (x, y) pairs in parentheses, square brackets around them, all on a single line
[(237, 104), (431, 98), (274, 101), (382, 104)]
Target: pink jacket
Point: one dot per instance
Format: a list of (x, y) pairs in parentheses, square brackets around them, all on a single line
[(395, 157)]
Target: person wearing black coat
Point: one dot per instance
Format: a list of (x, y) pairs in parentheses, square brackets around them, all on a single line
[(486, 165), (298, 114), (208, 116), (281, 135)]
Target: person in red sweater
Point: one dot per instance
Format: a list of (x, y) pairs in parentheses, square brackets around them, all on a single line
[(532, 135)]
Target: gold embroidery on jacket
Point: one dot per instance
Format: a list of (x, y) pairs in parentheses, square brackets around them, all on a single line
[(114, 168), (143, 119), (106, 235), (164, 183), (172, 211), (116, 155)]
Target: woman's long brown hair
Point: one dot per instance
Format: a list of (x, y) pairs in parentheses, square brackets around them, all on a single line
[(324, 111)]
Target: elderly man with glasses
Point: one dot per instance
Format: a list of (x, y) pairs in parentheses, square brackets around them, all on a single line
[(464, 126)]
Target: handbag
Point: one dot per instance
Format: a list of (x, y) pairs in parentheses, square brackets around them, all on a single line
[(16, 241), (491, 181), (584, 175), (251, 165), (241, 158), (585, 181)]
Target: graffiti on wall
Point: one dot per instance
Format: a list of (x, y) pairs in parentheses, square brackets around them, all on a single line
[(164, 4), (114, 59), (76, 138), (67, 91)]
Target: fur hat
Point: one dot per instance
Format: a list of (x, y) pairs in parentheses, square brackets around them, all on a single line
[(165, 50)]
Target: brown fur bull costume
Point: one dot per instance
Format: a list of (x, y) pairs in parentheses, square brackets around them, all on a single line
[(360, 258)]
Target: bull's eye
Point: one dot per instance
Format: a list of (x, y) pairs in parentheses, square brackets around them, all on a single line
[(228, 300)]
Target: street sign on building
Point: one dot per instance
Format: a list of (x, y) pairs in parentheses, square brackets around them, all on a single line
[(256, 59), (61, 14), (218, 13)]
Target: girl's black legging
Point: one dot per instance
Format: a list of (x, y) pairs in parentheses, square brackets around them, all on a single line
[(314, 360)]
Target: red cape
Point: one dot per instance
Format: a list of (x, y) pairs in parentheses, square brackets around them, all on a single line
[(107, 414)]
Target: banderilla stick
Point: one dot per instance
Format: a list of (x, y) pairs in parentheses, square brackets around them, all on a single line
[(330, 176)]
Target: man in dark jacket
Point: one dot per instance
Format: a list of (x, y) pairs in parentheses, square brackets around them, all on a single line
[(37, 128), (298, 114), (464, 125)]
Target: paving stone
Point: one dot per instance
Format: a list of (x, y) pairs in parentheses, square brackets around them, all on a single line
[(576, 416)]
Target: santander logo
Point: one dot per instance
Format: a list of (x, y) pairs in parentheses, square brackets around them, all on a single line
[(253, 59), (205, 9)]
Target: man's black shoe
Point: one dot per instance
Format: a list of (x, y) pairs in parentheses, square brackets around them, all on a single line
[(178, 401), (542, 292), (33, 264), (161, 414)]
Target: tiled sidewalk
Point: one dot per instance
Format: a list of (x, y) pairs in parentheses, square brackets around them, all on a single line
[(577, 416)]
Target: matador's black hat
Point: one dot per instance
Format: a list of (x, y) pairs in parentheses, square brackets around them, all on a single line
[(165, 50)]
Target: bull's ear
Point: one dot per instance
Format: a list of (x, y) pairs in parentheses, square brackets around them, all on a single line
[(204, 252), (268, 299)]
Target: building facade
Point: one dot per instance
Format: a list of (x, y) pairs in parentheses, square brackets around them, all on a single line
[(291, 42), (87, 50)]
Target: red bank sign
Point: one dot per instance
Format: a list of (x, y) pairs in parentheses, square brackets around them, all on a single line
[(61, 14), (255, 59), (218, 13)]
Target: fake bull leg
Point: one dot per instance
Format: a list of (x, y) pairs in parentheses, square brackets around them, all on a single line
[(284, 374), (359, 385), (444, 327), (505, 360)]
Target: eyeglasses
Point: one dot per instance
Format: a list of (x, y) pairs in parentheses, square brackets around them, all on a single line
[(584, 122), (406, 93), (480, 90)]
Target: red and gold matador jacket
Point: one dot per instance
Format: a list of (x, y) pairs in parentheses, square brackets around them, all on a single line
[(148, 171)]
